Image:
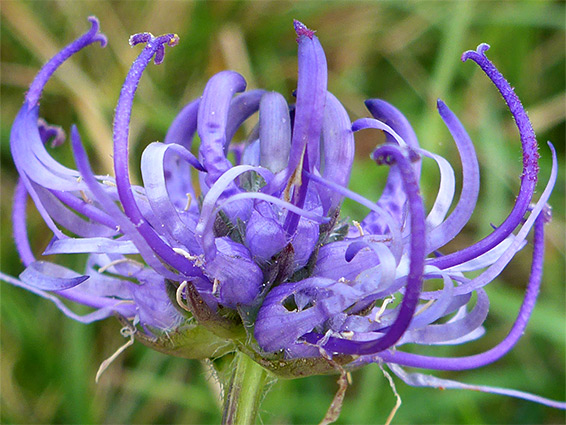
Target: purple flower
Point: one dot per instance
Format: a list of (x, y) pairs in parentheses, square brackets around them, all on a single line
[(261, 261)]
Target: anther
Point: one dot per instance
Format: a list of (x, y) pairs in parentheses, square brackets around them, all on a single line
[(179, 296), (382, 309), (358, 226), (185, 254), (189, 200)]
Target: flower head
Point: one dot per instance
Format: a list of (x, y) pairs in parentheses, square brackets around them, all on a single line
[(257, 257)]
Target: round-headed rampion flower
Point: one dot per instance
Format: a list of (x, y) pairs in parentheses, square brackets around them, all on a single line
[(258, 258)]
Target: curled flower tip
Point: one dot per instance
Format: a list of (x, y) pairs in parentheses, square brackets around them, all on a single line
[(302, 30), (170, 40), (480, 51), (98, 36), (50, 133), (147, 37), (142, 37)]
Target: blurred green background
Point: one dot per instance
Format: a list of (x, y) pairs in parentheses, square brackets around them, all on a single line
[(404, 52)]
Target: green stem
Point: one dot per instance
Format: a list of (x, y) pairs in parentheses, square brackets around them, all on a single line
[(242, 395)]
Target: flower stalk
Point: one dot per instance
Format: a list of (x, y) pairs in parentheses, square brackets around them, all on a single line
[(244, 392)]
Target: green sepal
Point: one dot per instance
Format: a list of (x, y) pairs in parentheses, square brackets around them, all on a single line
[(189, 340)]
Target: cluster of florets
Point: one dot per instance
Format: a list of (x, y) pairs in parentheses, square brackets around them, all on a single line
[(261, 260)]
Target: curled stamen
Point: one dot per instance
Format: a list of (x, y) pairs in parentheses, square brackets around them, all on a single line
[(104, 365), (179, 296), (358, 226), (397, 396), (119, 261)]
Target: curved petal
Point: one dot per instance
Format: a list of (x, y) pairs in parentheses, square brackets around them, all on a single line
[(463, 210), (274, 132), (416, 268), (338, 148), (50, 277), (177, 223), (212, 122), (237, 277), (311, 98), (530, 164)]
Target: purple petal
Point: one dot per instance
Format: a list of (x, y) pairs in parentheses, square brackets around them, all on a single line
[(414, 280), (32, 159), (50, 133), (90, 245), (274, 132), (331, 261), (212, 121), (121, 168), (178, 172), (421, 380), (207, 216), (453, 330), (238, 278), (292, 309), (530, 164), (390, 115), (50, 277), (265, 237), (19, 215), (455, 222), (394, 228), (92, 36), (68, 219), (393, 198), (251, 155), (100, 314), (338, 148), (489, 356), (304, 241), (126, 227), (311, 98), (153, 305), (179, 225), (518, 241), (241, 108), (445, 195)]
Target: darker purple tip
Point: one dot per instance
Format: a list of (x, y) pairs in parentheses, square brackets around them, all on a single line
[(302, 30)]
